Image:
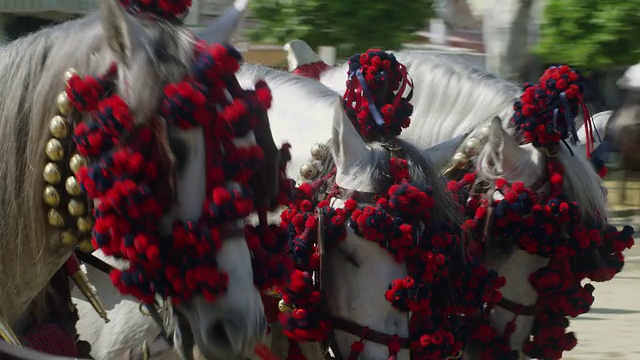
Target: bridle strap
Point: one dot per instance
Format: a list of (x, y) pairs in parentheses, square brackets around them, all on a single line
[(152, 309), (368, 334), (517, 309)]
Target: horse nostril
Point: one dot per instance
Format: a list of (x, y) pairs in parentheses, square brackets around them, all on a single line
[(217, 332)]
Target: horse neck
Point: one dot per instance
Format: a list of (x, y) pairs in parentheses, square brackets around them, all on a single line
[(32, 70), (358, 293), (516, 270)]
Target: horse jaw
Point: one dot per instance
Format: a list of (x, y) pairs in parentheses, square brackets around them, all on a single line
[(228, 327), (357, 293), (350, 152), (221, 29)]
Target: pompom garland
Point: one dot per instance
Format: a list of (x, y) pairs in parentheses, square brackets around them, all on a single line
[(400, 223), (374, 99), (547, 225), (535, 223), (124, 177)]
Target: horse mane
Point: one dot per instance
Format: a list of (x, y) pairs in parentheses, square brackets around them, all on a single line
[(32, 70), (452, 93)]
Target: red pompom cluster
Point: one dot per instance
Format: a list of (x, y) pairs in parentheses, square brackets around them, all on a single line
[(374, 99), (400, 222), (538, 224), (168, 9), (126, 180), (545, 113)]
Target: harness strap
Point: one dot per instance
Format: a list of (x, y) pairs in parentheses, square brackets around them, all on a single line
[(352, 328), (517, 309)]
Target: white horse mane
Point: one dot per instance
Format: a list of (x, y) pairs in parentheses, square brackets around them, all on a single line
[(447, 91)]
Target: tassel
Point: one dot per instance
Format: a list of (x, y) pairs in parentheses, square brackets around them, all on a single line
[(294, 352), (356, 349), (72, 269), (394, 347)]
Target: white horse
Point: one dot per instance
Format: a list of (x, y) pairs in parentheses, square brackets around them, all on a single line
[(150, 54), (502, 157), (448, 91)]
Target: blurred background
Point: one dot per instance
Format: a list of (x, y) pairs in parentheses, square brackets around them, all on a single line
[(514, 39)]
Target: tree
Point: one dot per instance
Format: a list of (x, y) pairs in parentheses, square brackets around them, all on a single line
[(591, 35), (352, 26)]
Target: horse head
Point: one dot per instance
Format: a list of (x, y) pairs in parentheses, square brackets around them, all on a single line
[(199, 256)]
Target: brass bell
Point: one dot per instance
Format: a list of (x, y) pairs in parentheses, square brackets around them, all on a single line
[(284, 307), (54, 150), (72, 186), (460, 160), (68, 238), (85, 224), (51, 174), (55, 218), (309, 170), (77, 161), (58, 127), (85, 246), (472, 146), (483, 134), (76, 208), (64, 104), (319, 151), (69, 73), (273, 293), (51, 196)]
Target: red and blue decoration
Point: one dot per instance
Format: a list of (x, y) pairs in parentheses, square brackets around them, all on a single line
[(127, 178), (374, 99), (548, 225), (545, 113), (400, 222), (168, 9)]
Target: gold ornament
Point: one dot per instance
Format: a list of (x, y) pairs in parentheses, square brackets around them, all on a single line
[(309, 170), (85, 246), (76, 208), (472, 146), (77, 161), (85, 224), (54, 150), (64, 104), (69, 73), (72, 186), (55, 218), (319, 151), (284, 307), (460, 160), (273, 293), (51, 174), (58, 127), (68, 238), (51, 196)]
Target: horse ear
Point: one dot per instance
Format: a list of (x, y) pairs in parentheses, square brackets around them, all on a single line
[(439, 154), (221, 29), (504, 148), (347, 145), (125, 35)]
